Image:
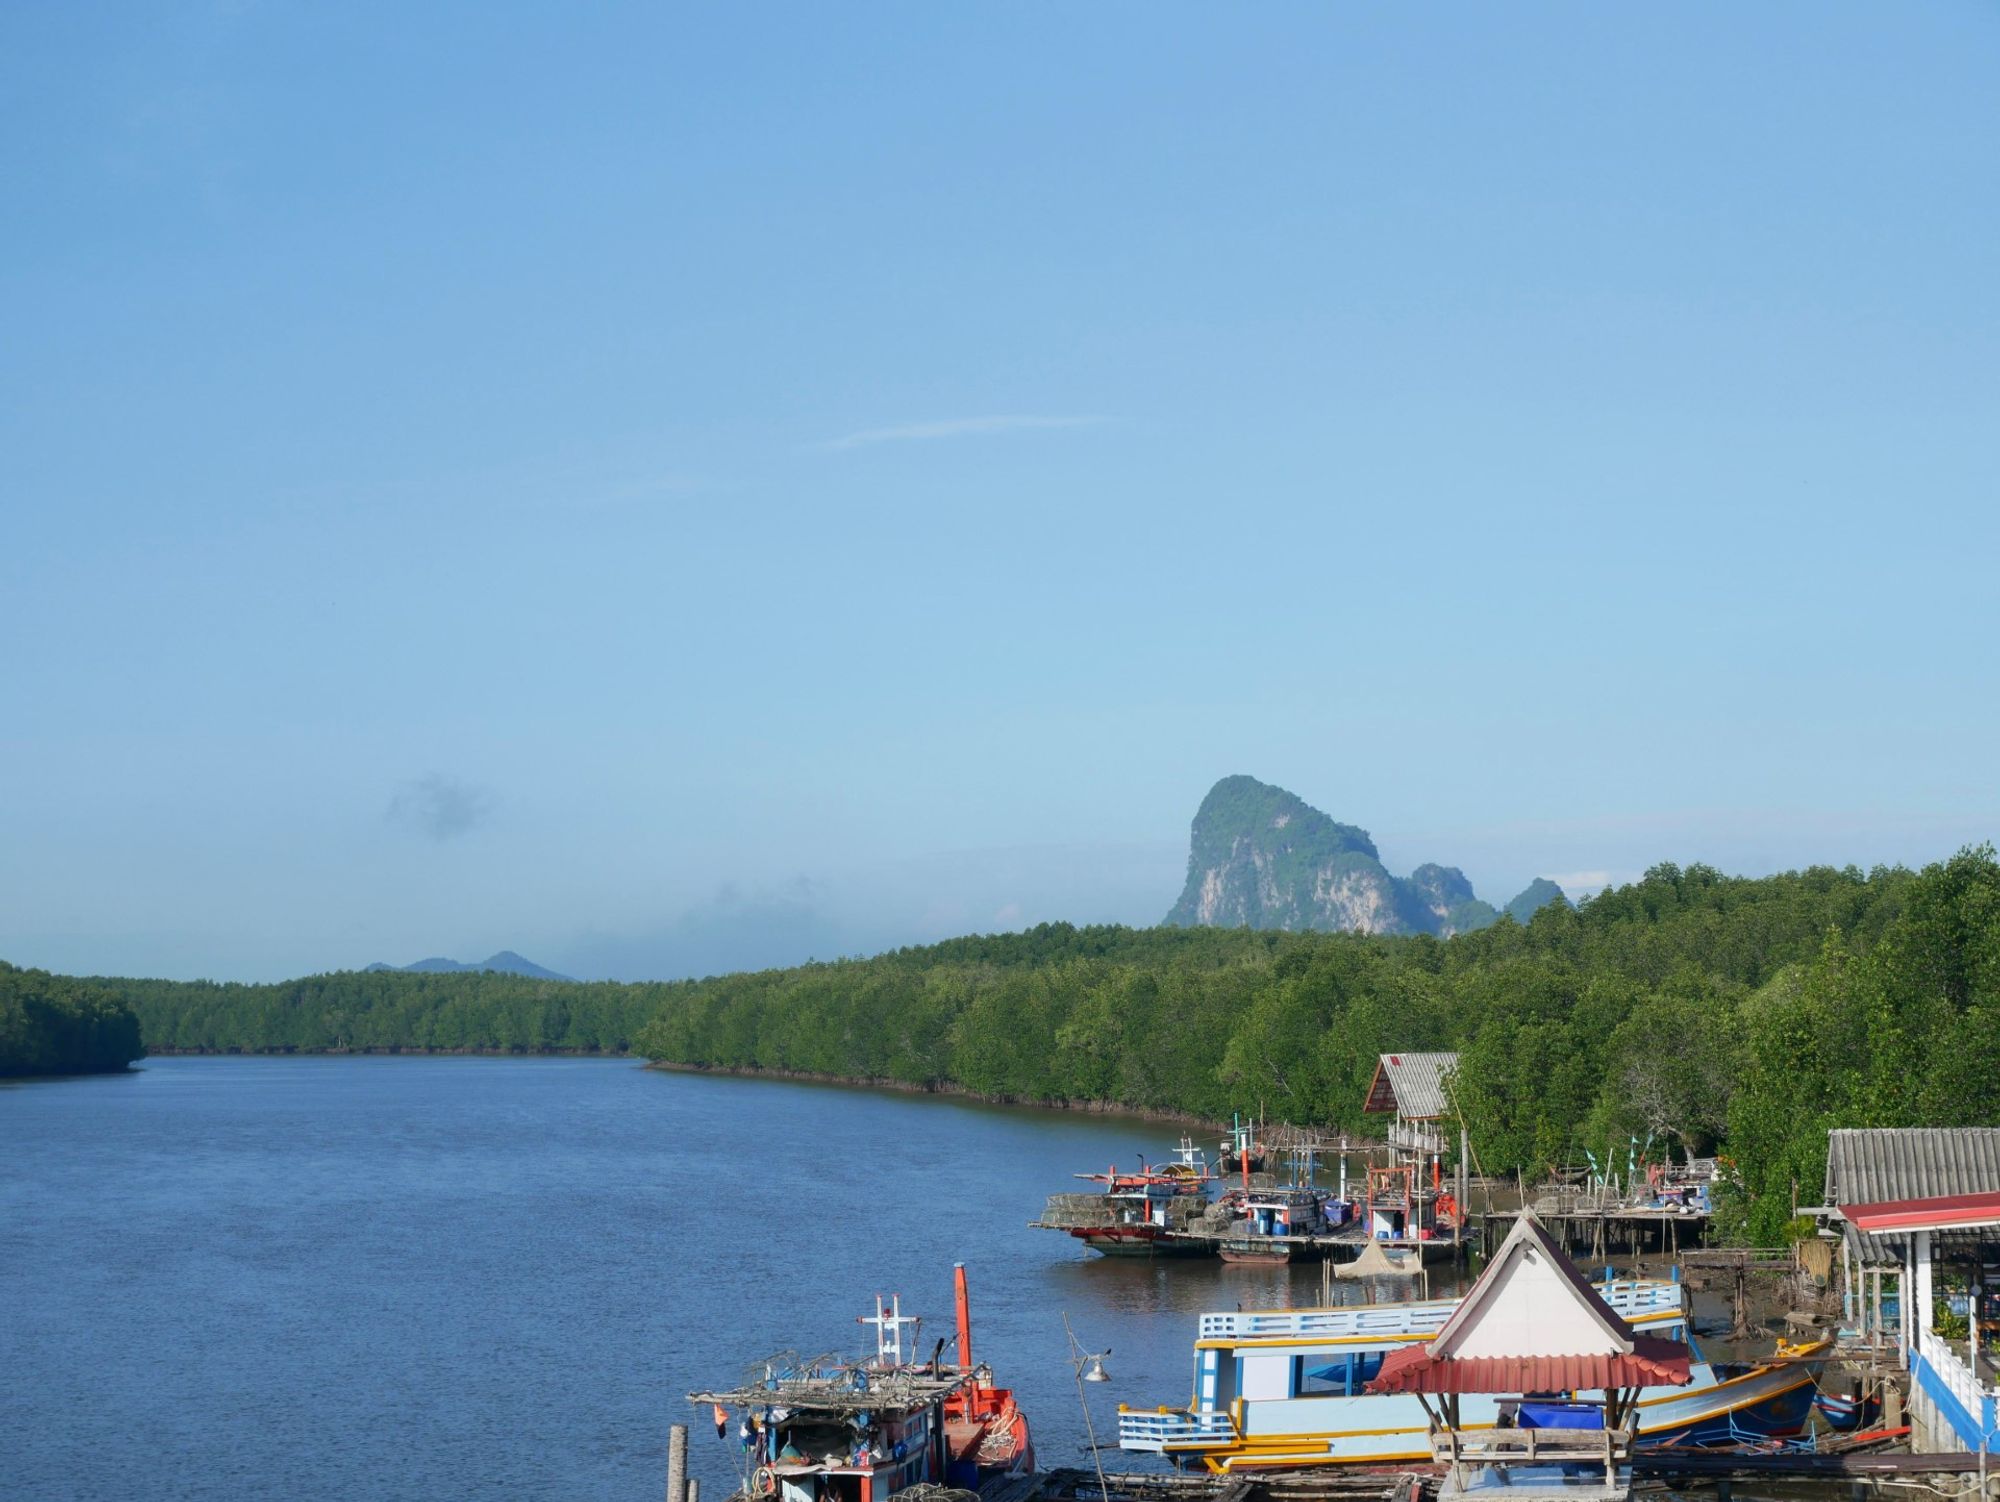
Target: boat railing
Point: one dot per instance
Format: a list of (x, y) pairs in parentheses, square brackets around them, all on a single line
[(1157, 1429), (1630, 1299)]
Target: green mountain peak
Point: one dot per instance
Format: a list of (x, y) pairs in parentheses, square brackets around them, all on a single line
[(1262, 857)]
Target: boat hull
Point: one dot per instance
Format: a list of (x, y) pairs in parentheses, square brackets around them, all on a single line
[(1765, 1402), (1256, 1256), (1139, 1241)]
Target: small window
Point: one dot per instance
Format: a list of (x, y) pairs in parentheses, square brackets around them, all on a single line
[(1342, 1376)]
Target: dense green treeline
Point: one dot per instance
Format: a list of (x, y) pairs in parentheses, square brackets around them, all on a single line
[(358, 1010), (1690, 1008), (52, 1024)]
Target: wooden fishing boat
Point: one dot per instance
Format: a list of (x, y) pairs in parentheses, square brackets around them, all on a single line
[(1276, 1225), (822, 1429), (1150, 1212), (1284, 1389)]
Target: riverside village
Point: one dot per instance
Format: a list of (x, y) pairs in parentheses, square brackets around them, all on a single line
[(1598, 1347)]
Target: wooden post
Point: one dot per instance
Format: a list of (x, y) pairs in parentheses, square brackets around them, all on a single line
[(677, 1463), (693, 1489), (1464, 1190)]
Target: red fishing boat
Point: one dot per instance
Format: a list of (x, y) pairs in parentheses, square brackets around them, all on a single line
[(1150, 1213), (826, 1429), (985, 1432)]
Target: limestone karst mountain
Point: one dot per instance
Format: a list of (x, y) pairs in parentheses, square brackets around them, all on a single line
[(1261, 857)]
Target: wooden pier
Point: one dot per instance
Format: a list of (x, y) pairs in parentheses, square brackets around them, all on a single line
[(1598, 1232), (1873, 1474)]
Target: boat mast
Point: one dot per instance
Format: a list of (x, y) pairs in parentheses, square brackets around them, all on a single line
[(889, 1323), (964, 1302)]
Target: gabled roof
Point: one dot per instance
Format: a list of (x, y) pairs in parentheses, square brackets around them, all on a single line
[(1411, 1085), (1533, 1323), (1548, 1305)]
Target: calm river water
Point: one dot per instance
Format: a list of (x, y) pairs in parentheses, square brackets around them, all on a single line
[(439, 1278)]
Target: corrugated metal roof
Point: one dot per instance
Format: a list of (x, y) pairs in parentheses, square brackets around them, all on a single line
[(1867, 1165), (1415, 1084), (1652, 1362)]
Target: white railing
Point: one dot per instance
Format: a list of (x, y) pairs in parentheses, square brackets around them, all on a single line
[(1153, 1430), (1950, 1365), (1631, 1299), (1412, 1138)]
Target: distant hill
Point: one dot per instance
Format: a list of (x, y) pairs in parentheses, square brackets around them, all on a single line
[(1539, 894), (506, 962), (1260, 857)]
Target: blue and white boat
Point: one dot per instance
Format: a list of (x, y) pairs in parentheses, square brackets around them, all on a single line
[(1284, 1389)]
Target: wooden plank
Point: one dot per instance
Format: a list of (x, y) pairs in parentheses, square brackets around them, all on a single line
[(1019, 1489), (1670, 1463)]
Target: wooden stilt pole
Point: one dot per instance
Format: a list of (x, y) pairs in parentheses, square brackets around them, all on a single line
[(677, 1463)]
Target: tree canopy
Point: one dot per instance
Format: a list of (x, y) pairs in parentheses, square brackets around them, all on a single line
[(52, 1024), (1717, 1014)]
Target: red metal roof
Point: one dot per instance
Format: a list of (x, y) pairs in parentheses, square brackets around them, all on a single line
[(1652, 1362), (1939, 1212)]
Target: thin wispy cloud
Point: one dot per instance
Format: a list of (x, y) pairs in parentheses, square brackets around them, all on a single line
[(957, 427)]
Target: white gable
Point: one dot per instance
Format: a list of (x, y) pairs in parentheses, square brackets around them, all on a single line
[(1531, 1302)]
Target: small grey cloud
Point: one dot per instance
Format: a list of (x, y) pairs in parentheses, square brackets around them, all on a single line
[(956, 427), (440, 806)]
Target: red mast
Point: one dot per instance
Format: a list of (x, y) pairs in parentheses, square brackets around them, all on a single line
[(964, 1301)]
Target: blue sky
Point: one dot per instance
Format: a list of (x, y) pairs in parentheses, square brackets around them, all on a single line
[(671, 488)]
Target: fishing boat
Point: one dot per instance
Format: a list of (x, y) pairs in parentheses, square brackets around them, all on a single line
[(1240, 1152), (1847, 1412), (1150, 1212), (1285, 1389), (1276, 1224), (823, 1429)]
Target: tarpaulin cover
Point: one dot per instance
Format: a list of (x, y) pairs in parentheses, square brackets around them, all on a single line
[(1652, 1362)]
